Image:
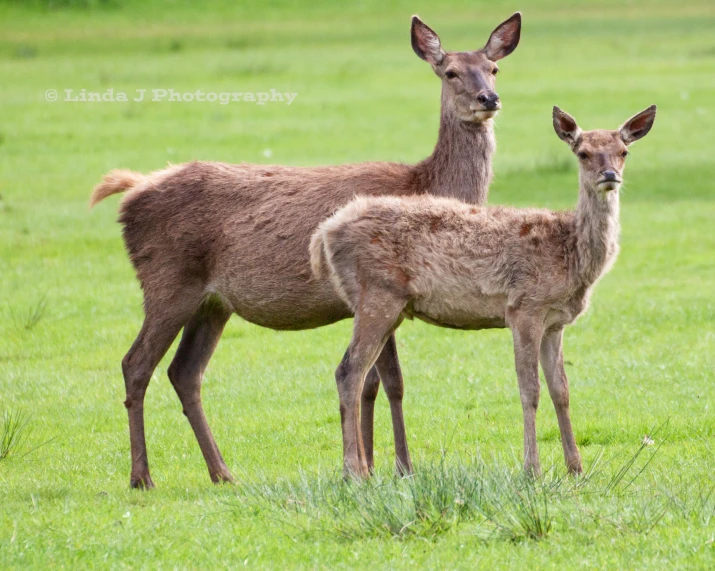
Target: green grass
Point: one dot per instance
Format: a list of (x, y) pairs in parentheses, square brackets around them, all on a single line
[(642, 358)]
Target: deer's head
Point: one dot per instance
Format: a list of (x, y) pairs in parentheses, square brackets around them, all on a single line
[(468, 78), (601, 153)]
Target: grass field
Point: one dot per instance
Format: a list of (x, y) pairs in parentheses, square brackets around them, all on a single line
[(641, 362)]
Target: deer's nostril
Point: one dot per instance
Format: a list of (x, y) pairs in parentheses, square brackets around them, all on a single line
[(609, 175), (489, 100)]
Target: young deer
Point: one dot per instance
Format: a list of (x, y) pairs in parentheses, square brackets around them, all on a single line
[(211, 239), (466, 267)]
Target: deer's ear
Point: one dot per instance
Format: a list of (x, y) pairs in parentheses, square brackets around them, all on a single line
[(426, 42), (637, 126), (566, 127), (504, 38)]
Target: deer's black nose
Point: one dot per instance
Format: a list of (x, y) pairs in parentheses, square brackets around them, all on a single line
[(609, 175), (488, 100)]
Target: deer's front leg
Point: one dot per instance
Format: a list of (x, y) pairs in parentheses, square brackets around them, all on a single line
[(552, 361), (527, 332)]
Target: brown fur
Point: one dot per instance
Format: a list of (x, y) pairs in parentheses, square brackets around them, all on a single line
[(211, 239), (439, 260)]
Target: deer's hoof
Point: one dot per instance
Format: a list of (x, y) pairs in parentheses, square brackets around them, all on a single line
[(575, 469), (222, 477), (141, 482), (356, 473), (403, 470), (533, 470)]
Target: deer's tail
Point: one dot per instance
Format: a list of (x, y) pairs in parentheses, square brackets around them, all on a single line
[(113, 182), (317, 246)]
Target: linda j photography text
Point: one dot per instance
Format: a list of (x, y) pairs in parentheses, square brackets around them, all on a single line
[(173, 96)]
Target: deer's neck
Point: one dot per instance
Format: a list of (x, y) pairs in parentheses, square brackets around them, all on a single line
[(461, 164), (597, 233)]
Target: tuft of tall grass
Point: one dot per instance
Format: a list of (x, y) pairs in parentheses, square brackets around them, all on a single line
[(516, 506), (14, 432), (27, 320), (496, 501)]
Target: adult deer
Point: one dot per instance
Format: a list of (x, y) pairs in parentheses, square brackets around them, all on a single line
[(211, 239), (456, 265)]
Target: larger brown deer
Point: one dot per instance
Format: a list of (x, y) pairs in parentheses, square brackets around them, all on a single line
[(456, 265), (211, 239)]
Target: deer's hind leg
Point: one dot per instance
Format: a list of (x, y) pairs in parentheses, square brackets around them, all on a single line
[(186, 372), (378, 315), (367, 415), (387, 367), (164, 318)]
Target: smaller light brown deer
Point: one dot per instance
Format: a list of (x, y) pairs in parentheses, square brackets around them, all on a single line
[(462, 266)]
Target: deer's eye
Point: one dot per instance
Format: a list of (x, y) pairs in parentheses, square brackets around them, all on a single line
[(449, 74), (583, 155), (495, 71), (624, 154)]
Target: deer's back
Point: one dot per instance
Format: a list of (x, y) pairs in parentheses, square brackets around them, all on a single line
[(458, 264), (242, 232)]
